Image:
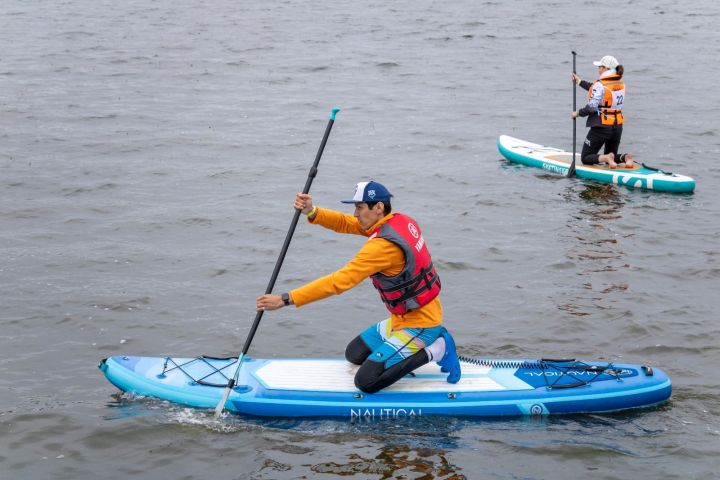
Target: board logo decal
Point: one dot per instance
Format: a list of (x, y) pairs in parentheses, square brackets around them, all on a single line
[(554, 168), (413, 230), (575, 373), (356, 413)]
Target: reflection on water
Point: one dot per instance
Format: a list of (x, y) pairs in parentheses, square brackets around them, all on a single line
[(428, 448), (417, 448), (397, 461), (596, 248), (599, 193), (408, 447)]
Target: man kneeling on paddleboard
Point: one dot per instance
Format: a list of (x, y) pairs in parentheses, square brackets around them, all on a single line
[(397, 260)]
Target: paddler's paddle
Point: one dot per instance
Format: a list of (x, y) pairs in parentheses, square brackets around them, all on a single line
[(571, 170), (313, 171)]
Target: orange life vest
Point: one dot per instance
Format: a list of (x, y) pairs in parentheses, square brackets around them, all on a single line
[(418, 283), (610, 110)]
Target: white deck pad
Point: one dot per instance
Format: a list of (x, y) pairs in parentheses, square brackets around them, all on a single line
[(338, 375)]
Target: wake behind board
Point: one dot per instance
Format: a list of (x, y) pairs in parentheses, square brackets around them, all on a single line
[(325, 388), (558, 161)]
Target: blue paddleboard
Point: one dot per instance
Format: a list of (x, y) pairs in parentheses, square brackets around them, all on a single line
[(325, 388)]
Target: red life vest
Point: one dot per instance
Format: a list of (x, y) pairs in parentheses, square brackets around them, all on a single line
[(610, 110), (418, 283)]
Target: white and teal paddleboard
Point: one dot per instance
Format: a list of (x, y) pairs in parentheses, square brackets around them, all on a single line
[(558, 161), (325, 388)]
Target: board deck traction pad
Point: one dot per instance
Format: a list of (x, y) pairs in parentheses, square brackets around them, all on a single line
[(563, 368), (325, 387)]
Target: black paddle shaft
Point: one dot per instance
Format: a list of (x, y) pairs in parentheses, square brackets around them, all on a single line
[(291, 231), (571, 170)]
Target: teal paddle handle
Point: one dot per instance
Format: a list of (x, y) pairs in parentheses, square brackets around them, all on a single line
[(334, 112)]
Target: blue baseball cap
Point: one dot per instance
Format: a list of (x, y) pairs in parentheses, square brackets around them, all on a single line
[(371, 191)]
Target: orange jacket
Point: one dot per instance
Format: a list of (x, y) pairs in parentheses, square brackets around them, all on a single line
[(376, 255), (610, 110)]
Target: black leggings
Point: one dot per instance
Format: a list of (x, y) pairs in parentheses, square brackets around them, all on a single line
[(596, 138), (372, 376)]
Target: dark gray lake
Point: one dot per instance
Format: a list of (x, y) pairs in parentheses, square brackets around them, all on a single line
[(149, 155)]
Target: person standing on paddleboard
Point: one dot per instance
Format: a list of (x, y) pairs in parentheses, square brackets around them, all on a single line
[(604, 111), (398, 262)]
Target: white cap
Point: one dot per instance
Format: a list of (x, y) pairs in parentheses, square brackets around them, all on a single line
[(608, 61)]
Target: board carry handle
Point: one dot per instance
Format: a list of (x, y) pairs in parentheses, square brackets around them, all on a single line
[(557, 360), (210, 357), (656, 169), (567, 385)]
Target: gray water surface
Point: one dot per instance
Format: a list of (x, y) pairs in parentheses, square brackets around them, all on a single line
[(150, 155)]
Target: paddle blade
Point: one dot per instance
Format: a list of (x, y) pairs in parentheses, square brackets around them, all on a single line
[(571, 170), (221, 404)]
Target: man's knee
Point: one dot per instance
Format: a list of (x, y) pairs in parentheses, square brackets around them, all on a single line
[(357, 351), (367, 376)]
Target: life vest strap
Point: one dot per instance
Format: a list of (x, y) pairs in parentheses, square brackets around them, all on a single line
[(416, 279), (422, 282)]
